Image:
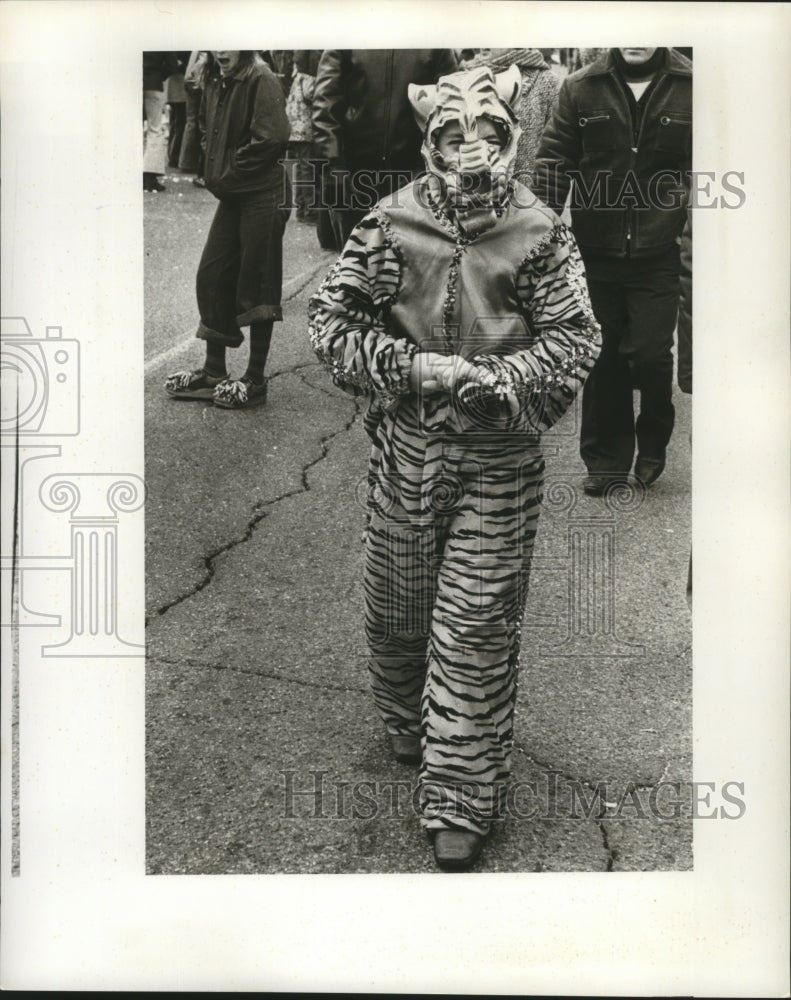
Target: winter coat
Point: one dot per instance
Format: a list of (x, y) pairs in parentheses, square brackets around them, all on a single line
[(632, 173), (157, 67), (684, 330), (244, 131), (362, 118)]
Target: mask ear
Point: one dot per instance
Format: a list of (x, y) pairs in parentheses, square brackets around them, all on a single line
[(509, 86), (422, 98)]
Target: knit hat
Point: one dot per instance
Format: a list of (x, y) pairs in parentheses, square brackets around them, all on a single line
[(473, 185)]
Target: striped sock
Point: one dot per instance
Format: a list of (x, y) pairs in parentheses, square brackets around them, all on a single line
[(260, 339), (214, 364)]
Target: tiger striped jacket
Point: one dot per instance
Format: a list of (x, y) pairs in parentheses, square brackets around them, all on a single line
[(513, 300)]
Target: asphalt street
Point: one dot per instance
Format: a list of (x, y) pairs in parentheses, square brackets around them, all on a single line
[(264, 751)]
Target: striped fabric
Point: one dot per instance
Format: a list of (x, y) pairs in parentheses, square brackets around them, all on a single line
[(452, 511)]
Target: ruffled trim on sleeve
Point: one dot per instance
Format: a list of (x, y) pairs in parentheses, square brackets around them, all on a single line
[(348, 316), (552, 289)]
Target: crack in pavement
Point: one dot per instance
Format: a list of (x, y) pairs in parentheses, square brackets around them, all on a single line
[(602, 817), (319, 267), (269, 674), (550, 769), (293, 370), (612, 855), (261, 511)]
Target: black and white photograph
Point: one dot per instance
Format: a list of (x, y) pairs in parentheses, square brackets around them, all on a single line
[(358, 543), (487, 398)]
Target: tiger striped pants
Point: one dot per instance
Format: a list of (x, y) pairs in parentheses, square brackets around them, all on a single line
[(448, 548)]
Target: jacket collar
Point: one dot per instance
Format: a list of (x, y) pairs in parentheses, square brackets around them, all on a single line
[(674, 63)]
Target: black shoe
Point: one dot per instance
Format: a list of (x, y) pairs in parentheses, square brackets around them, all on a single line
[(457, 850), (596, 485), (152, 183), (199, 182), (648, 470), (406, 749)]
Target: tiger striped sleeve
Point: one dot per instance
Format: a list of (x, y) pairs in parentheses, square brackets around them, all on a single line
[(553, 292), (348, 317)]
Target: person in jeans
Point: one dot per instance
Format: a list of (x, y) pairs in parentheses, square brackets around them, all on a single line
[(245, 131), (622, 131)]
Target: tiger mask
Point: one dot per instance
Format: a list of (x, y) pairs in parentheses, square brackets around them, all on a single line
[(468, 172)]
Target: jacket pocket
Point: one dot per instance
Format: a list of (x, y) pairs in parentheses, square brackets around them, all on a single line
[(597, 129), (674, 132)]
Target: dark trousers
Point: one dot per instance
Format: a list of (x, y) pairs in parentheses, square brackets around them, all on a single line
[(240, 274), (190, 152), (178, 118), (328, 239), (636, 304), (304, 173)]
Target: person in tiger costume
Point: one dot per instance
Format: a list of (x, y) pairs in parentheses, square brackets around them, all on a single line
[(459, 307)]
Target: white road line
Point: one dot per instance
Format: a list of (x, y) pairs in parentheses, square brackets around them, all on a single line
[(171, 352), (189, 338)]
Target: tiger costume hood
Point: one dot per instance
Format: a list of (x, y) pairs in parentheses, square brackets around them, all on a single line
[(473, 185)]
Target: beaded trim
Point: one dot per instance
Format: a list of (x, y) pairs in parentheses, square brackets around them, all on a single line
[(393, 384), (392, 241), (500, 381), (462, 242), (575, 272), (557, 234), (449, 305), (442, 218)]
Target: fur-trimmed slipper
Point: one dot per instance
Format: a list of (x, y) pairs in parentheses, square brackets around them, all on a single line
[(239, 393), (192, 385)]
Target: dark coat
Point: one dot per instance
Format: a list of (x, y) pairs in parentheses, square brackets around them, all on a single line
[(362, 118), (684, 330), (244, 132), (157, 67), (630, 161), (307, 61)]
